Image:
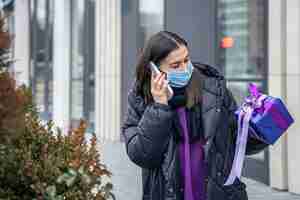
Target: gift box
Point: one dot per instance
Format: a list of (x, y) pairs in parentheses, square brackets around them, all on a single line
[(270, 117), (263, 117)]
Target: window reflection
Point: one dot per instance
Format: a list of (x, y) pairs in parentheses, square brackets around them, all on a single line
[(240, 90), (151, 18), (77, 60), (242, 48), (41, 55), (41, 13), (82, 59), (244, 22)]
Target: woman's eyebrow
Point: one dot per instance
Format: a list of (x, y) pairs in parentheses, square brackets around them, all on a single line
[(175, 62)]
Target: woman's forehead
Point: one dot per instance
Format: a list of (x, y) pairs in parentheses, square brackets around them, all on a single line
[(177, 55)]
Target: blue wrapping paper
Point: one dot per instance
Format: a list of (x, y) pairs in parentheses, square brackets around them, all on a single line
[(269, 121), (263, 117)]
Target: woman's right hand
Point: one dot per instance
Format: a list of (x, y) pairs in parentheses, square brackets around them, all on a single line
[(159, 89)]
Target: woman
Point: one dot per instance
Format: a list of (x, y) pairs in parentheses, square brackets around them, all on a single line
[(184, 142)]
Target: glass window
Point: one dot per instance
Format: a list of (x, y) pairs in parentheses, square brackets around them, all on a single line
[(41, 55), (241, 33), (241, 26), (82, 59), (151, 18), (239, 89)]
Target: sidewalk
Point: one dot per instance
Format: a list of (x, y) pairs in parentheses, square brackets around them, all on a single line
[(127, 181), (259, 191)]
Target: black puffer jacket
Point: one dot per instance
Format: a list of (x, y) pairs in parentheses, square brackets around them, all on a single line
[(149, 132)]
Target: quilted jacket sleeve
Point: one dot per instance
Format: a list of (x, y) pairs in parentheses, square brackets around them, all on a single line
[(146, 134)]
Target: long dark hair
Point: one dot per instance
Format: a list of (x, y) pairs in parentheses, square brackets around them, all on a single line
[(158, 47)]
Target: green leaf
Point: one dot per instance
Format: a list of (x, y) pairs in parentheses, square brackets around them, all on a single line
[(51, 191), (68, 178), (86, 179), (70, 181), (72, 172), (60, 197), (81, 170), (62, 178)]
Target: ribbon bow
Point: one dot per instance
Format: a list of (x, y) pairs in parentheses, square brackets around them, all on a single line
[(252, 102)]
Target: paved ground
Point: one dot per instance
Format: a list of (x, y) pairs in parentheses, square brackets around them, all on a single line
[(259, 191), (127, 182)]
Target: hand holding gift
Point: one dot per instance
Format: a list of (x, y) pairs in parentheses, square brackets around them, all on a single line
[(266, 118)]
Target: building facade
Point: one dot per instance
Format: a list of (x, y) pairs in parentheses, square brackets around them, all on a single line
[(79, 58)]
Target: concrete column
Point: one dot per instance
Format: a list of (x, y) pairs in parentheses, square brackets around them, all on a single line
[(277, 87), (22, 42), (108, 67), (293, 91), (61, 64)]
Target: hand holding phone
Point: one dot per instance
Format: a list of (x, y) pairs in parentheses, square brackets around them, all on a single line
[(154, 69), (156, 72)]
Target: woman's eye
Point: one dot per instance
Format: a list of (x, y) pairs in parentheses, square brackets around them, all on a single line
[(175, 66)]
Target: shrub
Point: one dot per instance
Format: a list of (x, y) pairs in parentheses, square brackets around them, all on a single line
[(37, 160)]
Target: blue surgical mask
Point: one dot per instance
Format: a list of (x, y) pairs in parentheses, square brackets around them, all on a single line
[(178, 78)]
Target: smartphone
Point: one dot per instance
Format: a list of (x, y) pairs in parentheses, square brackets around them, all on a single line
[(156, 72)]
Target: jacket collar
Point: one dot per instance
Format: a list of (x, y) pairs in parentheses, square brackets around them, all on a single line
[(211, 78), (205, 99)]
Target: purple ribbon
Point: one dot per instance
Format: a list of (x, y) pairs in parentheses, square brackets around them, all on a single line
[(255, 101), (254, 91)]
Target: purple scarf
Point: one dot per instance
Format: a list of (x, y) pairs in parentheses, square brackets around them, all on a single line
[(191, 163)]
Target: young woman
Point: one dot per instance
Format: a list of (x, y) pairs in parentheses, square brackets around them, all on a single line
[(184, 142)]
